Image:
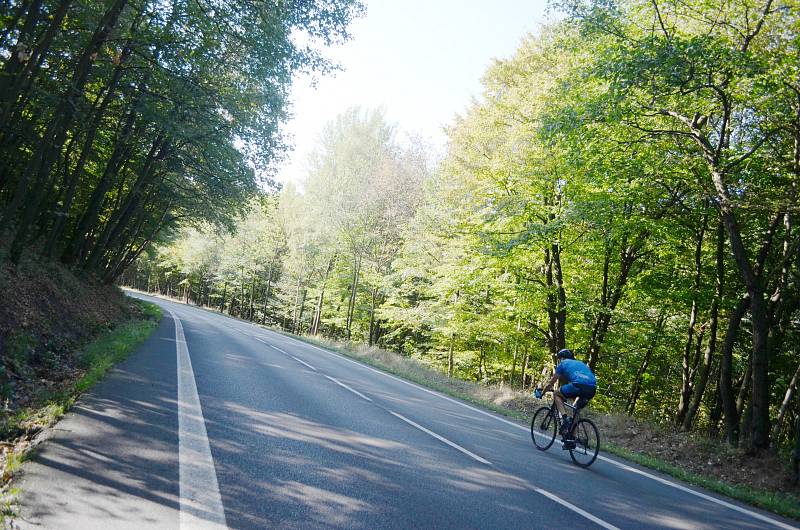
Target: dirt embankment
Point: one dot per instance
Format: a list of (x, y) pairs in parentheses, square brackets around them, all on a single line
[(46, 314)]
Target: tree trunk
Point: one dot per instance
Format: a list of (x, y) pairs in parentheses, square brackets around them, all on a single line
[(252, 295), (371, 341), (526, 356), (450, 355), (787, 399), (726, 372), (705, 368), (353, 291), (637, 384), (611, 295), (759, 438), (56, 134), (299, 327), (224, 296), (686, 386)]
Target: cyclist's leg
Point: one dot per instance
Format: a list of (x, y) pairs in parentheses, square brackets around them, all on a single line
[(558, 397), (567, 391)]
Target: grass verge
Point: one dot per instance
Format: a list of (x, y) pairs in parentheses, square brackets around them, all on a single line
[(783, 504), (94, 360), (498, 401)]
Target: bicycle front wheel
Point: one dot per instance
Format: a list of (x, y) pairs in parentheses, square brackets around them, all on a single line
[(543, 428), (587, 443)]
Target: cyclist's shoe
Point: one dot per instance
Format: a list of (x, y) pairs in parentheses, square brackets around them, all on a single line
[(569, 444), (566, 423)]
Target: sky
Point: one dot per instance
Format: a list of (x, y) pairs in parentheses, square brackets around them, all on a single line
[(421, 60)]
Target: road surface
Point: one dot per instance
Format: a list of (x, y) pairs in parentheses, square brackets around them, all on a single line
[(216, 423)]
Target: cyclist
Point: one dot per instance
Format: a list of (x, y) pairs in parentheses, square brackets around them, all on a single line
[(576, 379)]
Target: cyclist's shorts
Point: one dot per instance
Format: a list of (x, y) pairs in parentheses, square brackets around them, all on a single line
[(572, 390)]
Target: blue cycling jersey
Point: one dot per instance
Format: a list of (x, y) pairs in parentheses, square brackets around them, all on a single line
[(575, 372)]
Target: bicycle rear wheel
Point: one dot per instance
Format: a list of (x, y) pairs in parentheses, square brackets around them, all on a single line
[(543, 428), (587, 443)]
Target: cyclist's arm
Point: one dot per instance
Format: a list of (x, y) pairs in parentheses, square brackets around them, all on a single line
[(549, 386)]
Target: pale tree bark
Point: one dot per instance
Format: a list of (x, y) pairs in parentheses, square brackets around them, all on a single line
[(651, 347), (711, 346), (787, 399), (686, 379)]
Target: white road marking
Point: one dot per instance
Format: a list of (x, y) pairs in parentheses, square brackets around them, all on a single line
[(303, 363), (620, 465), (758, 516), (200, 501), (353, 390), (575, 509), (441, 438)]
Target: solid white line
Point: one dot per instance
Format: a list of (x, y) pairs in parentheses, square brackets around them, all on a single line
[(764, 518), (199, 490), (441, 438), (621, 465), (575, 509), (303, 362), (353, 390), (200, 501)]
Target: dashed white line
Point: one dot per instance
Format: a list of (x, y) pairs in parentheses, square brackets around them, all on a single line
[(620, 465), (303, 362), (441, 438), (353, 390), (200, 501)]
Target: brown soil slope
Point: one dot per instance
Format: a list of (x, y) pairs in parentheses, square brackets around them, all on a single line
[(46, 313)]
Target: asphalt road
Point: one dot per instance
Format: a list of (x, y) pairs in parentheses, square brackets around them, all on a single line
[(217, 423)]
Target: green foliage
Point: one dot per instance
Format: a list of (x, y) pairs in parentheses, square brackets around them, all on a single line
[(626, 181), (124, 121)]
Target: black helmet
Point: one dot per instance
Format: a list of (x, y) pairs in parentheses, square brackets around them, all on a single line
[(565, 354)]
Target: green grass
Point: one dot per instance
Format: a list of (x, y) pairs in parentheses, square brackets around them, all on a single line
[(96, 358), (782, 504)]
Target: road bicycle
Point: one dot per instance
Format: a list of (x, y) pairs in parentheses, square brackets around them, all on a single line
[(581, 439)]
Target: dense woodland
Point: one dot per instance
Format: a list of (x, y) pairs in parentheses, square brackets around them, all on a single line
[(121, 120), (625, 186)]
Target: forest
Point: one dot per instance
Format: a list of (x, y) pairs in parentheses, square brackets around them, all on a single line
[(122, 120), (626, 186)]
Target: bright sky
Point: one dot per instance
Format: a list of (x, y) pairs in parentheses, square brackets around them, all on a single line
[(422, 60)]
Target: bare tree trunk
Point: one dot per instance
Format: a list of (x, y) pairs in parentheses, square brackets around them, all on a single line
[(686, 386), (796, 453), (371, 340), (705, 368), (729, 407), (611, 295), (252, 294), (450, 356), (321, 299), (787, 399), (526, 356), (744, 388), (299, 326), (353, 292), (637, 384)]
